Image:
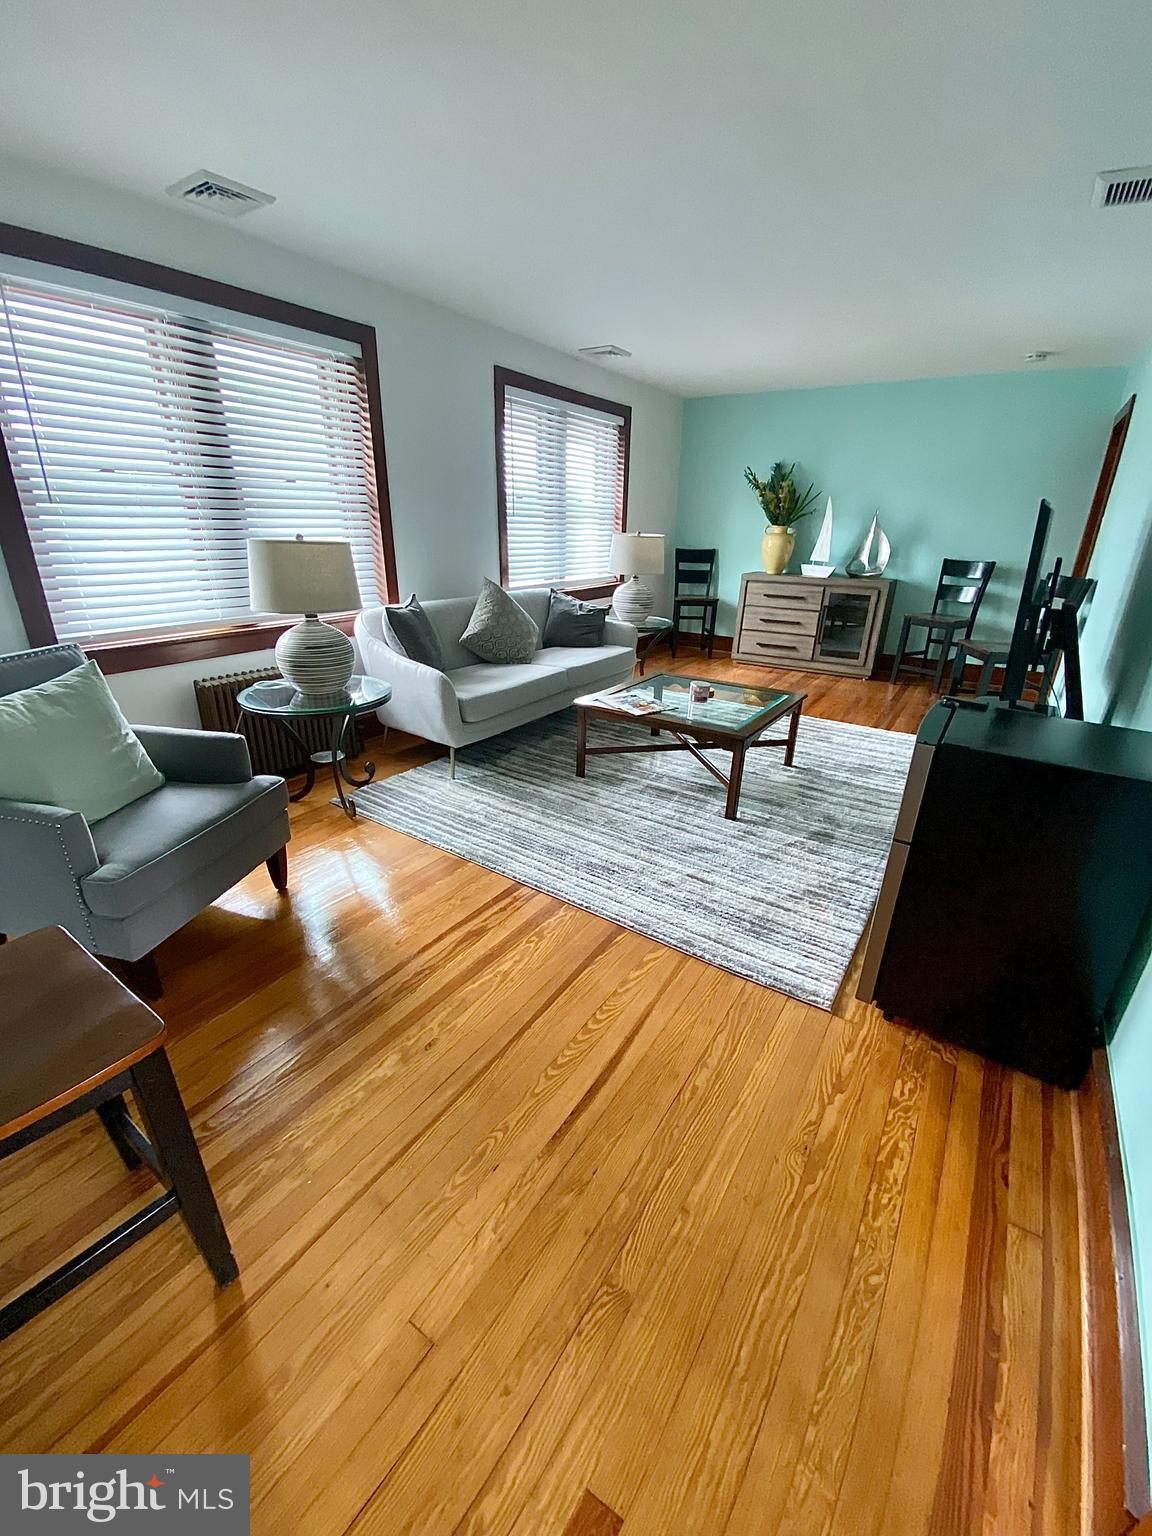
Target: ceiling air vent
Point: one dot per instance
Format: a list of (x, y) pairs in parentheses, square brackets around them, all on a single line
[(218, 194), (1123, 189), (609, 349)]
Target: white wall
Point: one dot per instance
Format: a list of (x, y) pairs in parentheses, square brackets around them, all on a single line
[(436, 381)]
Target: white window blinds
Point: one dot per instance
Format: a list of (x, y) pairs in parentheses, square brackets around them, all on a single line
[(147, 447), (564, 468)]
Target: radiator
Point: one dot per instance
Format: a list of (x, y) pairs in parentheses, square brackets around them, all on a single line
[(273, 749)]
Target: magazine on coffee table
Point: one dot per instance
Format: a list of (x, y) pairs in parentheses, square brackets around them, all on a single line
[(630, 702)]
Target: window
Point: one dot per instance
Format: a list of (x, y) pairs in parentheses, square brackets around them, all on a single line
[(561, 482), (147, 444)]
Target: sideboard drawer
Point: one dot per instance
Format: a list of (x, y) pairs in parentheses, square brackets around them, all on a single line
[(786, 647), (785, 595), (789, 621)]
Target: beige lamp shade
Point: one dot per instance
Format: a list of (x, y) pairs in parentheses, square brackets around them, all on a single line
[(637, 554), (302, 576)]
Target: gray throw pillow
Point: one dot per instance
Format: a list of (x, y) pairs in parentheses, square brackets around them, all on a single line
[(499, 629), (571, 622), (408, 630)]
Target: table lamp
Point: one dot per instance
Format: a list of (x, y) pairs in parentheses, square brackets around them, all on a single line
[(308, 576), (634, 555)]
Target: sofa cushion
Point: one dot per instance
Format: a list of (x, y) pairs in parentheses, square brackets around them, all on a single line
[(571, 622), (490, 690), (408, 630), (499, 630), (152, 844), (586, 664)]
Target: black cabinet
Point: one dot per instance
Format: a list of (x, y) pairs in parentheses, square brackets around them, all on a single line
[(1019, 882)]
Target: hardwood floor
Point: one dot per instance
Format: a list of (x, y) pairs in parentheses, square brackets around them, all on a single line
[(544, 1228)]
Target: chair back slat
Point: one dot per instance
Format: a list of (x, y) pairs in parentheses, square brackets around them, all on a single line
[(962, 586), (694, 568)]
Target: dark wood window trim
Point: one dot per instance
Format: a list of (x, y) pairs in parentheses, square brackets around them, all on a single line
[(1103, 487), (15, 545), (505, 378)]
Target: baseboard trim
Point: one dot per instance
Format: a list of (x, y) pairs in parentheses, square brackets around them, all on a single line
[(881, 671), (1115, 1441)]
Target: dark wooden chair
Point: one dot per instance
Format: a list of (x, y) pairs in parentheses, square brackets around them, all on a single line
[(692, 598), (1070, 593), (959, 593), (75, 1041)]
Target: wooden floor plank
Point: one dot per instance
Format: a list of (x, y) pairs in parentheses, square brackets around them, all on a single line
[(875, 1433), (548, 1230), (701, 1457), (557, 1445), (1012, 1449)]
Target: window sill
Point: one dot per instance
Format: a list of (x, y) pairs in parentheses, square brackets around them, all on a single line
[(169, 650)]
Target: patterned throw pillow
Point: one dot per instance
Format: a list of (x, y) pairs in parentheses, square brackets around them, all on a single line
[(499, 629), (571, 622)]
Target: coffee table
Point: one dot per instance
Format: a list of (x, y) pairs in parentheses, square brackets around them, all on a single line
[(732, 719)]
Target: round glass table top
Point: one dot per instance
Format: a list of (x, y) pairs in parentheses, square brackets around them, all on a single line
[(277, 696), (653, 624)]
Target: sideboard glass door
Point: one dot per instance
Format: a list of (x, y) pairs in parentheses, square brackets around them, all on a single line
[(844, 625)]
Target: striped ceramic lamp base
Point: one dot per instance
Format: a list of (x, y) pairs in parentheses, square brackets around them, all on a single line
[(316, 658), (632, 602)]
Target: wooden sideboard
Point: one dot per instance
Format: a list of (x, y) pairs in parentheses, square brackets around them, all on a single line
[(831, 624)]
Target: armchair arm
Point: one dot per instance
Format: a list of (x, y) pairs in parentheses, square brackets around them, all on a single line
[(45, 851), (423, 701), (196, 757), (617, 632)]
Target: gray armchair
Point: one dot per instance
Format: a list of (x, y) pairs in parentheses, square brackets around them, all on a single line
[(125, 882)]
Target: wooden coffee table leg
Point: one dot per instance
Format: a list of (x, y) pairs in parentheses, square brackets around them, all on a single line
[(734, 780), (581, 742), (793, 727)]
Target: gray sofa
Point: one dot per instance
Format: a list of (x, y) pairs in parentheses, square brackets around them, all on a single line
[(125, 882), (471, 700)]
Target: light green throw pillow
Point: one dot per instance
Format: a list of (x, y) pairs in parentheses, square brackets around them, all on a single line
[(66, 743)]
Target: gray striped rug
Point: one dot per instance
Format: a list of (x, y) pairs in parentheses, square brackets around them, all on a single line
[(780, 896)]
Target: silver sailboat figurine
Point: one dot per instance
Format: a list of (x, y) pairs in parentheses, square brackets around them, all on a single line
[(819, 562), (873, 555)]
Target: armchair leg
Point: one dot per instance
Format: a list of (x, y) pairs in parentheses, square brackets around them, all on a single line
[(278, 868), (141, 976)]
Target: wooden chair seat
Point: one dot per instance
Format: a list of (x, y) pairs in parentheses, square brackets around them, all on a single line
[(939, 620), (74, 1041), (67, 1026)]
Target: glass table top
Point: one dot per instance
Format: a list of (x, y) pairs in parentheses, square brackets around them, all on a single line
[(731, 707), (277, 696)]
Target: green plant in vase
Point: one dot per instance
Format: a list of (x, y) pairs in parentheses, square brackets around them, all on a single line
[(783, 507)]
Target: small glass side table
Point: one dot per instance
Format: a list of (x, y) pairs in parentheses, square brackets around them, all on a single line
[(650, 633), (278, 700)]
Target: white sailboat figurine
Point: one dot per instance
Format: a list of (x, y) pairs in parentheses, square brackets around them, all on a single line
[(820, 562), (873, 555)]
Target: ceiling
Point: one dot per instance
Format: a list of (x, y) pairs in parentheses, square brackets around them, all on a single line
[(747, 194)]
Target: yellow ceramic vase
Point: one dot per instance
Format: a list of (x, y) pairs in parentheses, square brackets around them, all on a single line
[(776, 548)]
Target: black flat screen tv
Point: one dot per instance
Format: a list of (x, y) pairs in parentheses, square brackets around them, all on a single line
[(1028, 614)]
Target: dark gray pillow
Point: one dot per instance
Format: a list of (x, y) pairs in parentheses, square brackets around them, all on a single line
[(571, 622), (499, 629), (408, 630)]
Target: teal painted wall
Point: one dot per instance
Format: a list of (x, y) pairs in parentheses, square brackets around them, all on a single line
[(955, 467), (1117, 647)]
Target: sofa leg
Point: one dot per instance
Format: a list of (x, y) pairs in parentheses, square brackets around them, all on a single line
[(278, 868), (451, 762), (141, 976)]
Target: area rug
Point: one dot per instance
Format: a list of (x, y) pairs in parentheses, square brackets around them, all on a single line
[(780, 896)]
